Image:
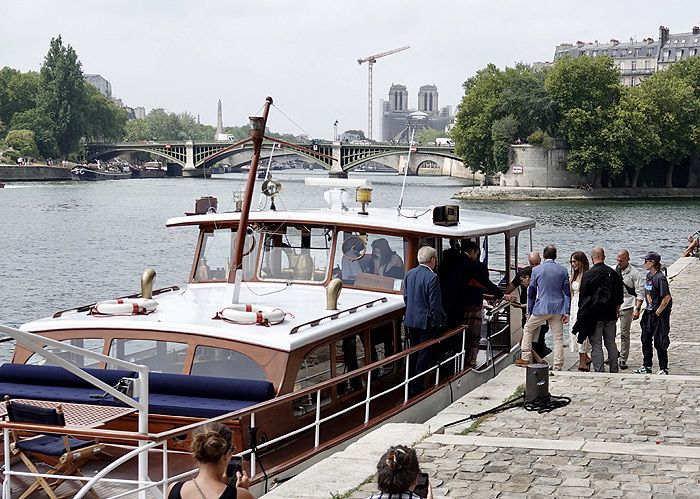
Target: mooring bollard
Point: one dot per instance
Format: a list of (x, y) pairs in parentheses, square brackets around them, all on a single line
[(537, 383)]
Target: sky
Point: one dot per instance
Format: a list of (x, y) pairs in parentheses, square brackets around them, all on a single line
[(183, 55)]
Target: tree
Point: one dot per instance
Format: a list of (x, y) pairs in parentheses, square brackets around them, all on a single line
[(689, 70), (18, 93), (472, 130), (62, 95), (504, 132), (672, 111), (427, 135), (38, 122), (587, 89), (635, 136), (104, 120), (498, 108), (138, 131), (23, 142)]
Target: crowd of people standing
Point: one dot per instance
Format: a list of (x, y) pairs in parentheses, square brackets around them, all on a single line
[(593, 299), (596, 301)]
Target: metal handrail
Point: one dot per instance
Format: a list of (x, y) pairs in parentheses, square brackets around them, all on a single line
[(338, 314), (85, 308)]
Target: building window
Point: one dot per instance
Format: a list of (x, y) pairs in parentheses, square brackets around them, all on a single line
[(622, 66), (634, 65), (692, 52), (613, 52), (431, 103), (646, 64), (632, 81), (679, 54)]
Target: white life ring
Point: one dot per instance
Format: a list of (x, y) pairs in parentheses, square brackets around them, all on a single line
[(251, 314), (125, 306)]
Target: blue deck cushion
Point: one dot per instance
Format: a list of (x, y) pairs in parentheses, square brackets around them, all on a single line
[(210, 387), (51, 445), (204, 396), (170, 394), (58, 376)]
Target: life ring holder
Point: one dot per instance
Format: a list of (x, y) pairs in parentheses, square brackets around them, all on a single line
[(124, 306), (249, 314)]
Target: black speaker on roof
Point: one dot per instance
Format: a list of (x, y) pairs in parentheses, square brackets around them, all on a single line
[(446, 215)]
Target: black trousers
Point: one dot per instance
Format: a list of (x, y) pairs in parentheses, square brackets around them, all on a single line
[(655, 331), (423, 360)]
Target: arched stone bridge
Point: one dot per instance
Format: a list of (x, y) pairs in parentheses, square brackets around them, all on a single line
[(337, 158)]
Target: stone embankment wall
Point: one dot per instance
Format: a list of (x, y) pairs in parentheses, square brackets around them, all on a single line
[(543, 193), (10, 173), (534, 166)]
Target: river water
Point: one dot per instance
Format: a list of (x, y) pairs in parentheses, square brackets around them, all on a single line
[(66, 244)]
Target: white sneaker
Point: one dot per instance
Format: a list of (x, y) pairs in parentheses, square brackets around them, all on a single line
[(663, 371)]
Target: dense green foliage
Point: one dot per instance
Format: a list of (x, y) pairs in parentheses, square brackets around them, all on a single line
[(61, 111), (427, 135), (611, 131), (56, 106)]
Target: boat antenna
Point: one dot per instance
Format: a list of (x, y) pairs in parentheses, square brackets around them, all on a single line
[(267, 176), (257, 134), (405, 173)]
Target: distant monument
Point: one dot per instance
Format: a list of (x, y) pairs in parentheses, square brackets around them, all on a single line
[(220, 135)]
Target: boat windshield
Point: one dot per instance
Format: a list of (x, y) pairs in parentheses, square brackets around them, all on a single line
[(371, 261), (216, 254), (296, 253)]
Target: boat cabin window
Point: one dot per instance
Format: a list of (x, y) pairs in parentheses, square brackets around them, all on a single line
[(158, 356), (296, 253), (315, 368), (216, 254), (350, 355), (374, 261), (225, 363), (92, 344)]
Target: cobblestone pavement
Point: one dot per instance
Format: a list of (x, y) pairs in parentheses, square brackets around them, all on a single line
[(505, 472)]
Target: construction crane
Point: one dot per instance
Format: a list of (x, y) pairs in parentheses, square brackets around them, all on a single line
[(371, 60)]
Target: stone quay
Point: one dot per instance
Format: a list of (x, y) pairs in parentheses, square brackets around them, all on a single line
[(622, 435)]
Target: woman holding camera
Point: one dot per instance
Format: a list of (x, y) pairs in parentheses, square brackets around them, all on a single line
[(212, 448), (399, 476)]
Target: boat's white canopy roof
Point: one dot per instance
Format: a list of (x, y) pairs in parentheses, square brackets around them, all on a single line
[(417, 221), (191, 311)]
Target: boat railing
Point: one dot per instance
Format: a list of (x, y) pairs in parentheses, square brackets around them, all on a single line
[(140, 444), (336, 315), (85, 308)]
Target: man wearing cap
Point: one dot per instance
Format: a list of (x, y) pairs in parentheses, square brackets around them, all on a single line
[(656, 318)]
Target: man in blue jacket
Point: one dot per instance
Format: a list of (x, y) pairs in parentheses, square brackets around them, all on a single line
[(424, 314), (548, 300)]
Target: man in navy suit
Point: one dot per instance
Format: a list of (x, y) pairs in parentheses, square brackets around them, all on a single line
[(424, 314), (548, 300)]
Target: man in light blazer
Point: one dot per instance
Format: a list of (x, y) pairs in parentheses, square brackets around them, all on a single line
[(548, 299), (424, 314)]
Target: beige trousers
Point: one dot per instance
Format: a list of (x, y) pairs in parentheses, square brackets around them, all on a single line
[(557, 329)]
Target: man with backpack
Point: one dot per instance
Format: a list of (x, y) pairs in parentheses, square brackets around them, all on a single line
[(601, 296), (633, 285)]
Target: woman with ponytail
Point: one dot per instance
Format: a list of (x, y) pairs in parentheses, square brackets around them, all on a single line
[(397, 475), (212, 448)]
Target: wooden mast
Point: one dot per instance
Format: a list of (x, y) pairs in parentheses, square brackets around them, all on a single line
[(257, 134)]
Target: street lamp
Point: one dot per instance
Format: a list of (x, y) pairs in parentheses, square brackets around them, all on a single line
[(335, 131)]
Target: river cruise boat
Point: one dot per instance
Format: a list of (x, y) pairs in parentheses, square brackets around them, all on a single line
[(303, 355)]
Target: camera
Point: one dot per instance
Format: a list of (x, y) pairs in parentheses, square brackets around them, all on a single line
[(236, 464), (421, 488)]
